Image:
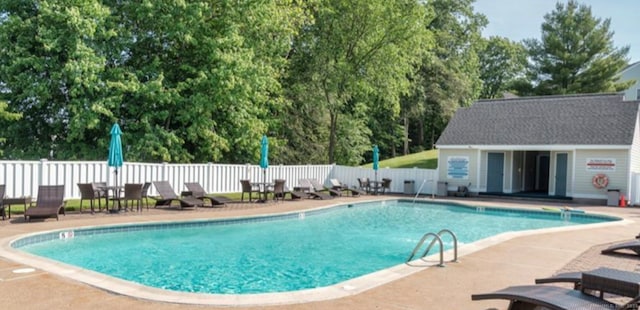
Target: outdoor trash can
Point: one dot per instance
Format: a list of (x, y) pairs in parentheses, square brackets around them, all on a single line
[(613, 197), (409, 187), (442, 188)]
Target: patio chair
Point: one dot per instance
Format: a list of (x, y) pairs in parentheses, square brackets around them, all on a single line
[(49, 203), (549, 297), (278, 190), (633, 245), (463, 191), (321, 188), (88, 192), (145, 193), (3, 212), (364, 184), (198, 191), (100, 192), (132, 192), (381, 187), (167, 195), (339, 186), (247, 187)]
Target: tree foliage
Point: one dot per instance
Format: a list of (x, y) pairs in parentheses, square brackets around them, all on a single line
[(575, 54), (502, 63), (352, 55), (448, 76)]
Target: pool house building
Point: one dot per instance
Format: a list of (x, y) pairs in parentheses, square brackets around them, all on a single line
[(575, 147)]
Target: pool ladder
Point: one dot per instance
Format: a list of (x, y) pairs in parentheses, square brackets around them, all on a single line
[(436, 237)]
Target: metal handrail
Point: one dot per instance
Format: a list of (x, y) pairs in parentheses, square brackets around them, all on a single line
[(455, 244), (436, 237)]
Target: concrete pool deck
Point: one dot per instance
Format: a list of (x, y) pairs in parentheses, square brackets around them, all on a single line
[(483, 268)]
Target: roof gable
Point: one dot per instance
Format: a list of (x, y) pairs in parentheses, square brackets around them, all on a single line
[(594, 119)]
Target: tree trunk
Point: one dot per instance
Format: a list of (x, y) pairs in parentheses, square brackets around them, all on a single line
[(332, 135), (405, 149)]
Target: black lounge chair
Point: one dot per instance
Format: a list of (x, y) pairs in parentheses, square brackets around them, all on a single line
[(312, 193), (49, 203), (198, 191), (550, 297), (574, 277), (343, 188), (317, 187), (628, 245), (167, 195)]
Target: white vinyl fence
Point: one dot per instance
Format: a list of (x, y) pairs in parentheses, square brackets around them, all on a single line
[(22, 178)]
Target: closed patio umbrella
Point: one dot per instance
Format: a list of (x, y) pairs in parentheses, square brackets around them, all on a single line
[(264, 156), (376, 158), (115, 151)]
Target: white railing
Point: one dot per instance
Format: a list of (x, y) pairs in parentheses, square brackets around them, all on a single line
[(22, 178)]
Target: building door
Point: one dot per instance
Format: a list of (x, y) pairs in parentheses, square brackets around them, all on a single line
[(561, 174), (495, 172)]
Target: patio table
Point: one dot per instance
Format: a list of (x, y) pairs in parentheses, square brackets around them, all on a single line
[(7, 202)]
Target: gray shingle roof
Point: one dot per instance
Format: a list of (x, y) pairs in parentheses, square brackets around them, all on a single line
[(593, 119)]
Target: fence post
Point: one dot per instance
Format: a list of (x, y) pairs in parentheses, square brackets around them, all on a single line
[(43, 162)]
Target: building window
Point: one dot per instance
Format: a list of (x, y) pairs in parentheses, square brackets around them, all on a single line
[(637, 93)]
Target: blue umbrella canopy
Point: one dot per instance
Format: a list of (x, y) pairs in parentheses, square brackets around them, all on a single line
[(264, 153), (115, 148), (376, 157)]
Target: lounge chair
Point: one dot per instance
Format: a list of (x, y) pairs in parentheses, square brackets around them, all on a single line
[(49, 203), (198, 191), (628, 245), (167, 195), (343, 188), (549, 297), (317, 187), (574, 277), (311, 192)]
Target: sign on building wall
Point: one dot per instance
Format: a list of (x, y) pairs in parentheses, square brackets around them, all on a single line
[(458, 167), (601, 164)]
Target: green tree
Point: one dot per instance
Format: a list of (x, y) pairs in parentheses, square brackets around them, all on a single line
[(50, 72), (349, 53), (449, 76), (502, 62), (576, 53)]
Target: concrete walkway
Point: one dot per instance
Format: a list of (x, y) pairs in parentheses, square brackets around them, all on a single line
[(485, 266)]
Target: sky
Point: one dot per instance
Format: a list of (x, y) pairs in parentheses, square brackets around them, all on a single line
[(521, 19)]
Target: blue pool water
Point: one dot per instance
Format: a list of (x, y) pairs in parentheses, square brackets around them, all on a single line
[(279, 253)]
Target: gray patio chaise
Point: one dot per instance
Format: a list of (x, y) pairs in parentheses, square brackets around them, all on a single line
[(167, 195), (633, 245), (339, 186), (49, 203), (318, 187), (198, 191), (310, 191), (550, 297), (564, 277)]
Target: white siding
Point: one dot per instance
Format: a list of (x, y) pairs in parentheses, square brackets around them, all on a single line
[(618, 179), (632, 73), (453, 184)]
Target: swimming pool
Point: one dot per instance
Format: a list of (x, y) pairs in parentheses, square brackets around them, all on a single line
[(278, 253)]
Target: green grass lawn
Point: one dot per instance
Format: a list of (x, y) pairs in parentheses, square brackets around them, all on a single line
[(425, 160)]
